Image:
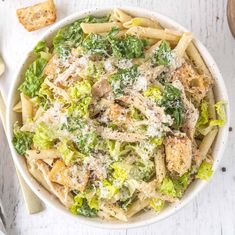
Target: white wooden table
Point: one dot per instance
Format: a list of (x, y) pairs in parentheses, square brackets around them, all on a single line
[(212, 212)]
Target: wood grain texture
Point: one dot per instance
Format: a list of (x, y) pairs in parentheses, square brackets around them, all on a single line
[(212, 212)]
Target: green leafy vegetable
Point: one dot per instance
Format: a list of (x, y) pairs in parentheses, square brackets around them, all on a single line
[(123, 78), (107, 190), (33, 78), (42, 50), (68, 152), (96, 44), (173, 104), (72, 35), (79, 90), (94, 69), (73, 124), (80, 109), (22, 141), (45, 96), (127, 47), (157, 204), (86, 142), (167, 187), (154, 93), (162, 55), (204, 125), (44, 137), (81, 207), (180, 184), (204, 171)]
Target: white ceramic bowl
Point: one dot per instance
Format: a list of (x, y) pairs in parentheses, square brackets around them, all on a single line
[(144, 218)]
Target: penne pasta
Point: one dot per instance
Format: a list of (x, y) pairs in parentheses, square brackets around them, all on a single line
[(115, 122), (99, 27), (207, 142), (183, 44), (144, 22), (137, 206), (18, 107), (27, 108), (153, 33), (120, 15), (42, 154)]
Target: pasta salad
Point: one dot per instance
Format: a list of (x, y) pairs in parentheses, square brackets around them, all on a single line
[(118, 116)]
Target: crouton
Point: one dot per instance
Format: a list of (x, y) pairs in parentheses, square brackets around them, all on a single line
[(118, 113), (37, 16), (178, 154), (196, 86)]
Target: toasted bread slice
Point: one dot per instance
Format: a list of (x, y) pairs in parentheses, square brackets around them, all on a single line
[(37, 16)]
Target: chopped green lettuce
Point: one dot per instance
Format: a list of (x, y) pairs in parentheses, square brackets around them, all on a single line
[(204, 125), (68, 152), (82, 207), (42, 50), (107, 190), (33, 78), (79, 90), (173, 104), (123, 78), (96, 44), (120, 172), (85, 142), (157, 204), (154, 93), (45, 96), (167, 187), (181, 184), (127, 47), (22, 140), (162, 55), (80, 109), (44, 137), (205, 171), (71, 36), (94, 69), (72, 124)]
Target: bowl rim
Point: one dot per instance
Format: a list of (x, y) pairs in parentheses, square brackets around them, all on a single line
[(107, 224)]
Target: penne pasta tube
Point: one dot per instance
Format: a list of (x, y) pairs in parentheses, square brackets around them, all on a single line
[(207, 142), (27, 108), (42, 154), (137, 206), (144, 22), (99, 27), (183, 43), (159, 160), (198, 61), (152, 33), (18, 107), (120, 15), (114, 211), (211, 102)]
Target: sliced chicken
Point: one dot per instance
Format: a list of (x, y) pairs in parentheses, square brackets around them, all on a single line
[(178, 154), (108, 133), (101, 87)]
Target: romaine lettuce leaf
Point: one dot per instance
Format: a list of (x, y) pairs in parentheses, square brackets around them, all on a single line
[(205, 171), (22, 141)]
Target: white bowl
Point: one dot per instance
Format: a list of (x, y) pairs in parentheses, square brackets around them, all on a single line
[(144, 218)]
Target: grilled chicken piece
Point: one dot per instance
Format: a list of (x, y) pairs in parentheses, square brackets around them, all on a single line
[(178, 154), (117, 114), (195, 85), (101, 87), (150, 72), (108, 133)]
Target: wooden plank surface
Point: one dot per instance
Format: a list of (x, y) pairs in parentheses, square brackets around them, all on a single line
[(210, 213)]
